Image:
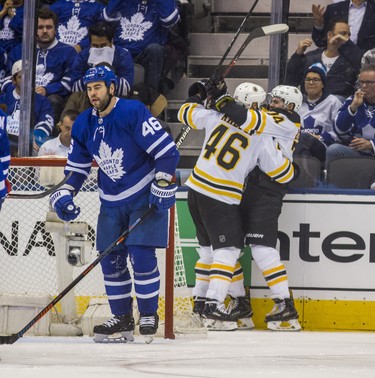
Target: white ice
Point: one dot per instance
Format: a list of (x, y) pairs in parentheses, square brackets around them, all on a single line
[(221, 354)]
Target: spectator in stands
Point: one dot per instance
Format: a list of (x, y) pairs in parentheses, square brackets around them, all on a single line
[(11, 24), (317, 112), (43, 114), (54, 62), (368, 57), (142, 28), (102, 50), (60, 145), (355, 121), (3, 64), (359, 14), (74, 19), (341, 58)]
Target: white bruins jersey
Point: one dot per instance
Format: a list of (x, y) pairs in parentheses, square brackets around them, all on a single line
[(283, 125), (229, 154)]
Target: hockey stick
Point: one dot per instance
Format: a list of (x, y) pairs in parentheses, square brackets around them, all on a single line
[(186, 129), (236, 36), (14, 337), (42, 194), (262, 31)]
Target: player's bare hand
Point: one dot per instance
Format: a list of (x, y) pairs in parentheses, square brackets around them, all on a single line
[(303, 45), (318, 14), (360, 144), (358, 99)]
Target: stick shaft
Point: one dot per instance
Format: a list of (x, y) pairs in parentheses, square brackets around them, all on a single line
[(13, 338)]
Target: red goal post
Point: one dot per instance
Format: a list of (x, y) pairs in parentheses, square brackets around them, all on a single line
[(28, 251)]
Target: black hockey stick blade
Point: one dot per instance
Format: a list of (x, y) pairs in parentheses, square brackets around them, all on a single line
[(14, 337), (41, 194)]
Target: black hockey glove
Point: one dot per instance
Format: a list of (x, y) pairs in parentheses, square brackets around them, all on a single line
[(198, 88), (215, 88)]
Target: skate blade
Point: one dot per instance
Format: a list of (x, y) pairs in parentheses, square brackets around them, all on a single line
[(219, 325), (122, 337), (245, 324), (286, 326), (149, 338)]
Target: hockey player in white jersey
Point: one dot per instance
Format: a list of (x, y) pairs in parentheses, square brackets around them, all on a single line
[(262, 202), (137, 160), (216, 188)]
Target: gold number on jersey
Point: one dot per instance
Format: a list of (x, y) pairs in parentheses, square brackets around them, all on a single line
[(278, 118), (227, 156)]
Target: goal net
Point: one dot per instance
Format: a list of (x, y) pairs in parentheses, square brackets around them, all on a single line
[(34, 263)]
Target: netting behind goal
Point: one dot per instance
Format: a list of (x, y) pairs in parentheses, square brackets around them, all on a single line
[(33, 260)]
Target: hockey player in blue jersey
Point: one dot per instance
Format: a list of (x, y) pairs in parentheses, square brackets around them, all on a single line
[(137, 161), (4, 159)]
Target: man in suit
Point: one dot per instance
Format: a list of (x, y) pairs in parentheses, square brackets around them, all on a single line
[(359, 14), (341, 59)]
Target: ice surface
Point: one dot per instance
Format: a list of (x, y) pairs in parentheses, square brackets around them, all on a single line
[(221, 354)]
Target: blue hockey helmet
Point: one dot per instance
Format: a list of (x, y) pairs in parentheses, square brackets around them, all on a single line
[(100, 73)]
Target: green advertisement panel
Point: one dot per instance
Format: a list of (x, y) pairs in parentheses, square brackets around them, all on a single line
[(189, 245)]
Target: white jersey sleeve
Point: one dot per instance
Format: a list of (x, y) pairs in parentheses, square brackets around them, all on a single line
[(229, 154)]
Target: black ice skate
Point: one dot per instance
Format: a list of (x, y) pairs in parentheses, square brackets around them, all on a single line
[(119, 329), (284, 316), (216, 317), (198, 305), (241, 312), (148, 326)]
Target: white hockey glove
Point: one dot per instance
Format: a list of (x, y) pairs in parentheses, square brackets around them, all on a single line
[(163, 193), (62, 202)]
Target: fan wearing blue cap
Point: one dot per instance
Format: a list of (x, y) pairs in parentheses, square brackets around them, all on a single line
[(317, 114)]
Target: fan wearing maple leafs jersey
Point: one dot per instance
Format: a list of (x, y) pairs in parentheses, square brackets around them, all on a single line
[(137, 160), (142, 27), (11, 24), (75, 17)]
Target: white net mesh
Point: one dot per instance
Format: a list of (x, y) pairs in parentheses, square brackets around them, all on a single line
[(33, 262)]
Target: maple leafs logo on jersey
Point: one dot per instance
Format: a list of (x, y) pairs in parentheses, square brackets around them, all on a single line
[(42, 78), (73, 33), (135, 28), (110, 163), (6, 33)]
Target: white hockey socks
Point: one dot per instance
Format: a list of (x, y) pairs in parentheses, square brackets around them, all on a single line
[(221, 273), (236, 288), (202, 271), (268, 261)]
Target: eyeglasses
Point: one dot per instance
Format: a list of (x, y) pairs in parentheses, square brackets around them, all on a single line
[(366, 82), (313, 79)]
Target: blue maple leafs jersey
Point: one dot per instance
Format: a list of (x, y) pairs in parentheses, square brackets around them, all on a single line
[(140, 23), (128, 144), (74, 20)]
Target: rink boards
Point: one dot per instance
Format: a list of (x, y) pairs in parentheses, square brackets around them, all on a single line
[(327, 243)]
